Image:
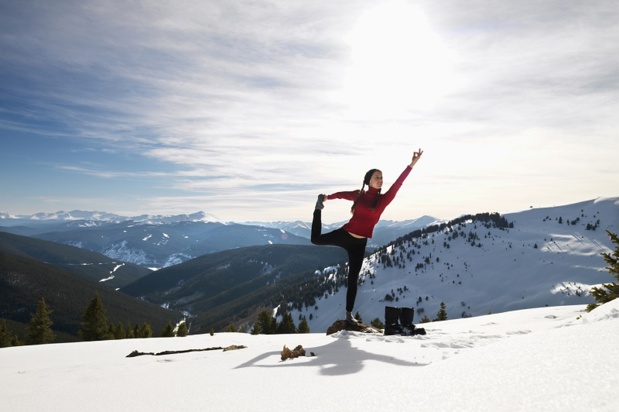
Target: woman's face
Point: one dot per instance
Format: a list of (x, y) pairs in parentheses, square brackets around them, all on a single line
[(376, 181)]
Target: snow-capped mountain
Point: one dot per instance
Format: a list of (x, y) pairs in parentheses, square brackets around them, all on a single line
[(103, 217), (157, 241), (384, 232), (543, 257)]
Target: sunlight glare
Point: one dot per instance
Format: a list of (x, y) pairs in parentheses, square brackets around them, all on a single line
[(398, 62)]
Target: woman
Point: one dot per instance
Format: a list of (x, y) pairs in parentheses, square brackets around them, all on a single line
[(353, 236)]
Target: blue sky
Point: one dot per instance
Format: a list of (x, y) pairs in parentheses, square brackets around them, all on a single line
[(249, 109)]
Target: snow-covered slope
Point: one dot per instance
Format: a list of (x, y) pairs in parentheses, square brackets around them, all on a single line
[(545, 359), (548, 258)]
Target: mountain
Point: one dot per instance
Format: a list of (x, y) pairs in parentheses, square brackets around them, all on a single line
[(24, 281), (162, 241), (99, 217), (229, 284), (90, 265), (384, 232), (168, 244), (476, 264)]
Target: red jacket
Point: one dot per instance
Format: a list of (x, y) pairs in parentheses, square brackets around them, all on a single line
[(365, 216)]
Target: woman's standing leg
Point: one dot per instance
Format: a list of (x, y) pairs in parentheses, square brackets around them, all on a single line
[(356, 253)]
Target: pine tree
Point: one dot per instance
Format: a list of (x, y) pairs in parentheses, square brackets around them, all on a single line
[(303, 326), (168, 331), (40, 326), (129, 334), (358, 316), (377, 323), (119, 331), (608, 291), (442, 313), (94, 321), (146, 331), (182, 329), (231, 328), (287, 325), (110, 332), (5, 335), (7, 338), (266, 323)]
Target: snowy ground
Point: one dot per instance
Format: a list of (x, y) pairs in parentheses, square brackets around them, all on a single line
[(545, 359)]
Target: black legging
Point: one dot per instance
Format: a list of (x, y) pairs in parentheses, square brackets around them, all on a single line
[(354, 246)]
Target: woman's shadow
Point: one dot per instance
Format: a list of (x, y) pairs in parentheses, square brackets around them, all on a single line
[(336, 358)]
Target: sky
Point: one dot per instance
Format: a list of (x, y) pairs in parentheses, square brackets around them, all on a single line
[(249, 109)]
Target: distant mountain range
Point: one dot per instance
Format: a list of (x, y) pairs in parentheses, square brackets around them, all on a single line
[(100, 217), (475, 264), (162, 241)]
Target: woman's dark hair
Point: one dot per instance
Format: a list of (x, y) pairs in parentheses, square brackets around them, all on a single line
[(366, 181), (368, 176)]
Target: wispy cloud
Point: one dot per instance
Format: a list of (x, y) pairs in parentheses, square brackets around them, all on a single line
[(245, 100)]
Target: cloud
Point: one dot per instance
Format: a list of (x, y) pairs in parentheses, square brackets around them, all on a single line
[(248, 98)]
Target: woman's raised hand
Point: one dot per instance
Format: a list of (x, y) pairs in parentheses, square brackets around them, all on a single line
[(416, 157)]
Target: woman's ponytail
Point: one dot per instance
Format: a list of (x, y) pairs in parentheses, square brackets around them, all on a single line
[(366, 181), (352, 209)]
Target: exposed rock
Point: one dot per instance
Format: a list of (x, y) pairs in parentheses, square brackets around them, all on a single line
[(295, 353), (339, 325)]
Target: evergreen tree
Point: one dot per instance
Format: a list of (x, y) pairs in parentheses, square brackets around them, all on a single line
[(94, 321), (40, 326), (5, 335), (168, 331), (145, 331), (230, 328), (7, 338), (266, 323), (182, 329), (425, 319), (119, 331), (287, 325), (358, 316), (608, 291), (303, 326), (377, 323), (129, 333), (442, 313), (110, 332)]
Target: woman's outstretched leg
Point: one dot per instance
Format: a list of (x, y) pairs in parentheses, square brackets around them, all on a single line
[(317, 237), (316, 227)]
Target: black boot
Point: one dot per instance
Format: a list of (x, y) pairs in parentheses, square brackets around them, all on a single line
[(392, 325), (406, 319)]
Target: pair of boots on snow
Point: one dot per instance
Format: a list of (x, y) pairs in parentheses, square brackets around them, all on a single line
[(399, 321)]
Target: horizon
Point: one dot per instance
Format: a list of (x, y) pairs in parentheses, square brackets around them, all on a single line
[(7, 215), (249, 110)]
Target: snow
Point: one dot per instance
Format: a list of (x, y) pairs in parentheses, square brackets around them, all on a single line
[(112, 276), (506, 273), (545, 359)]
